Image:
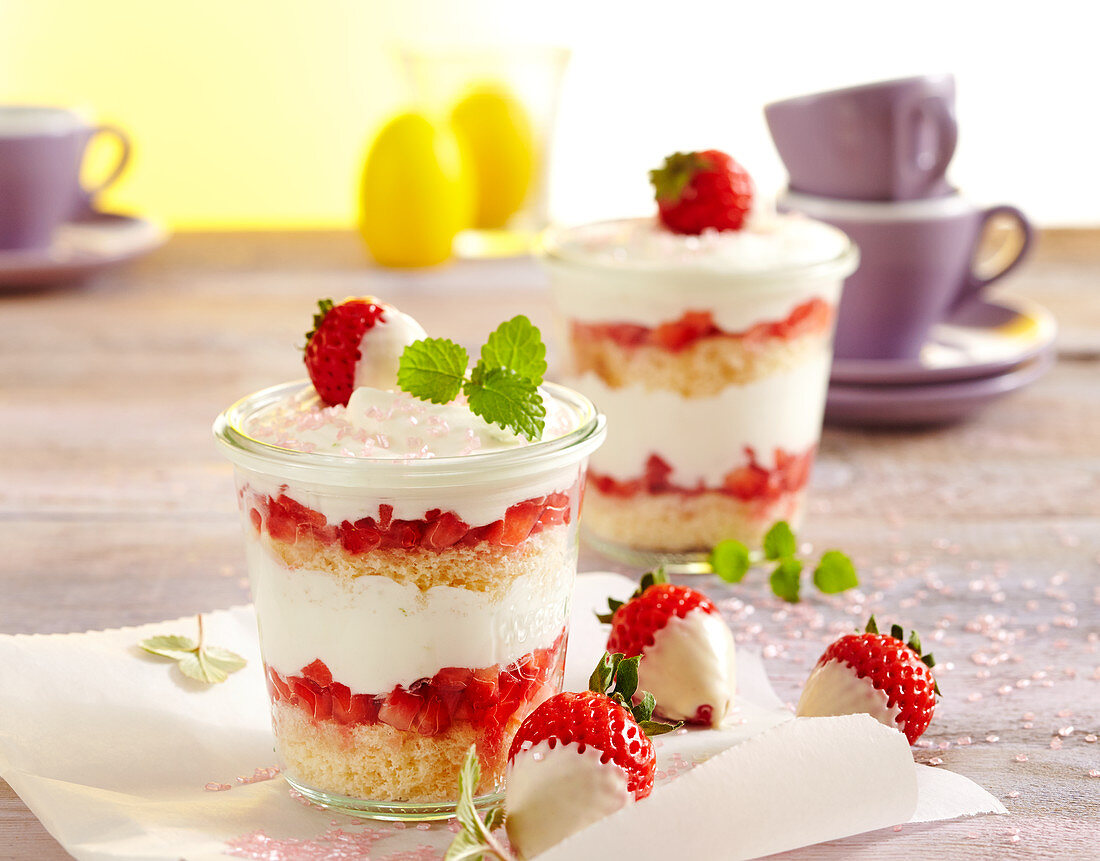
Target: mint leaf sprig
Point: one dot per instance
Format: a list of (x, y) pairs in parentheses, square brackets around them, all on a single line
[(731, 560), (208, 664), (502, 387), (475, 840)]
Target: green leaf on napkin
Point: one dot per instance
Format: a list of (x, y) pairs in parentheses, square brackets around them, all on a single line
[(475, 841), (208, 664)]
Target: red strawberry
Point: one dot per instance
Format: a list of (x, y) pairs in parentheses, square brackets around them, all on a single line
[(400, 709), (697, 191), (687, 650), (333, 346), (878, 674), (600, 722)]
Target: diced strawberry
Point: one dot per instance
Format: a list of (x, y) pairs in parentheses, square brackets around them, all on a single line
[(481, 691), (747, 482), (657, 472), (385, 516), (493, 532), (359, 537), (306, 691), (341, 697), (519, 520), (433, 718), (403, 534), (444, 531), (281, 524), (681, 333), (451, 679), (301, 514), (318, 672), (322, 706), (256, 518), (277, 686), (400, 708)]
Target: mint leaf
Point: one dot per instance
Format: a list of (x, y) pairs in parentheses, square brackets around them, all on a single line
[(209, 664), (475, 840), (517, 345), (730, 560), (502, 397), (835, 573), (786, 579), (433, 369), (779, 543)]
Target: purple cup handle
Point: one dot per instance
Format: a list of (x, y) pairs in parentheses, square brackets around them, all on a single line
[(913, 178), (125, 148), (975, 283)]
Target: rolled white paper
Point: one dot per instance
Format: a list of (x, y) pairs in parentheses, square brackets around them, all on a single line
[(802, 782)]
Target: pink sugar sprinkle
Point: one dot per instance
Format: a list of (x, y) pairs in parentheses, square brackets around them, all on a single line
[(1013, 794), (964, 740), (1020, 757), (1028, 724), (260, 774), (335, 843), (1064, 713), (944, 745), (1065, 731), (897, 828), (935, 761), (217, 787), (1055, 743), (1093, 772), (993, 739), (1090, 738), (423, 826), (974, 697)]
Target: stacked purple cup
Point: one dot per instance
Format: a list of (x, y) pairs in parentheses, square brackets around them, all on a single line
[(871, 160)]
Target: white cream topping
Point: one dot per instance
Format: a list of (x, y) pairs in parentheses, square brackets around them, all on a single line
[(768, 241), (834, 688), (554, 792), (383, 424), (381, 347), (374, 633), (691, 663), (704, 438)]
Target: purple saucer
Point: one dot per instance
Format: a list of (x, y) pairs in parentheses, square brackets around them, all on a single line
[(917, 405), (982, 339), (80, 249)]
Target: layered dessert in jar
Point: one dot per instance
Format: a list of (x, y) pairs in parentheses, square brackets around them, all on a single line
[(705, 336), (411, 565)]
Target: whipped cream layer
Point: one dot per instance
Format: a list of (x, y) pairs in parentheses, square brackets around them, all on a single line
[(553, 792), (767, 242), (635, 271), (691, 663), (374, 633), (704, 438), (391, 425), (834, 688)]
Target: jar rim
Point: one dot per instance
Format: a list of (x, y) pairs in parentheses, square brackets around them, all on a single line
[(340, 470)]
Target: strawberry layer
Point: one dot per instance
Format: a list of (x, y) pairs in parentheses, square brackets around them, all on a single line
[(812, 316), (286, 519), (485, 698), (748, 483)]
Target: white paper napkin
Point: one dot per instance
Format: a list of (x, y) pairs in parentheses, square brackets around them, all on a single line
[(120, 756)]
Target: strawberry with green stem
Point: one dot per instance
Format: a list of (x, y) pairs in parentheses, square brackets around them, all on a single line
[(883, 675), (687, 649), (699, 191), (576, 758)]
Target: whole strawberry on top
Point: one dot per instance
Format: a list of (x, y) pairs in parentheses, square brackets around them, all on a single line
[(356, 343), (687, 650), (878, 674), (697, 191), (577, 758)]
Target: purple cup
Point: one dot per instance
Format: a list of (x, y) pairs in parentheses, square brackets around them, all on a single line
[(41, 153), (917, 265), (890, 140)]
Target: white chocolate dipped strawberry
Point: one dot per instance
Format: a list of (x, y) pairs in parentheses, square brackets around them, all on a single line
[(355, 344), (689, 660)]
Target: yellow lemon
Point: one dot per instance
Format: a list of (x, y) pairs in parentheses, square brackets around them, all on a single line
[(495, 134), (414, 195)]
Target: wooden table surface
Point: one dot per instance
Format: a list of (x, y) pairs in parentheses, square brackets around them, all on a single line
[(116, 509)]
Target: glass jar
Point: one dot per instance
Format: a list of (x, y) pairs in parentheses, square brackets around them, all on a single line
[(407, 608), (710, 358)]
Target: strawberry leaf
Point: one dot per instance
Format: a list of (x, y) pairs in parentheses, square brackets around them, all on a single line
[(835, 573), (730, 560), (173, 647), (516, 344), (656, 727), (779, 543), (786, 579), (504, 398), (433, 369)]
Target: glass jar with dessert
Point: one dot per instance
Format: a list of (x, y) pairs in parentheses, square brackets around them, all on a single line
[(411, 562)]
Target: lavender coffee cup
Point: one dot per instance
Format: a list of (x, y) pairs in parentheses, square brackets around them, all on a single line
[(41, 154), (918, 262), (890, 140)]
